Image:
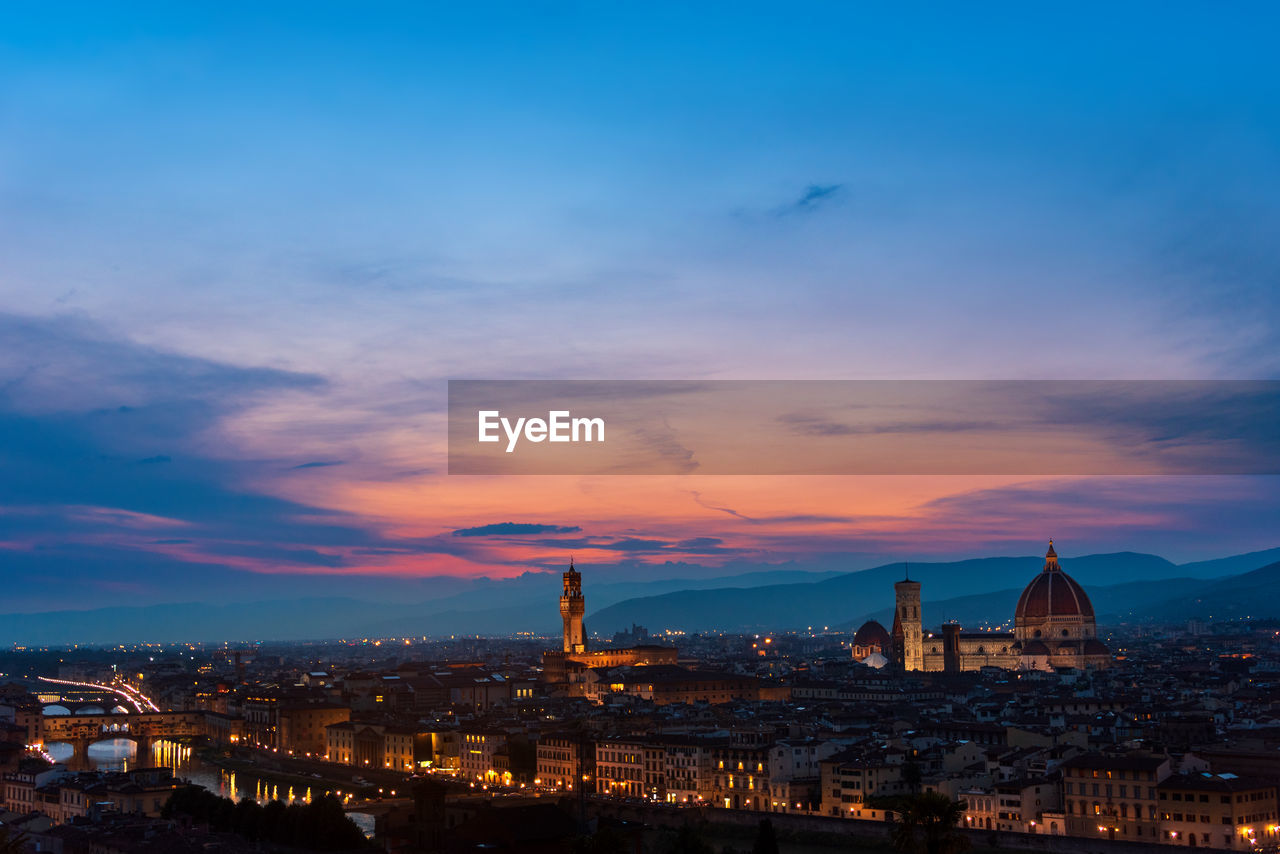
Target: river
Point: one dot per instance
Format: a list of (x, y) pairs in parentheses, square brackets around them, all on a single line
[(120, 754)]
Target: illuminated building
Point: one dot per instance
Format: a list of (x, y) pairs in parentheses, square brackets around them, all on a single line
[(567, 669), (872, 645), (560, 760), (370, 745), (620, 767), (572, 607), (1218, 811), (1113, 797), (1054, 626), (908, 634)]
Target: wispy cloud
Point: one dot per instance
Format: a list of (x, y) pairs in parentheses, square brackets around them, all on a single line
[(813, 197), (507, 529)]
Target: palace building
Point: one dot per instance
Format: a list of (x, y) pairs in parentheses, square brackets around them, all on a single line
[(1053, 626), (572, 667)]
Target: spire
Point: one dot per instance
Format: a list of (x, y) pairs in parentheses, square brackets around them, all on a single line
[(1051, 559), (906, 571)]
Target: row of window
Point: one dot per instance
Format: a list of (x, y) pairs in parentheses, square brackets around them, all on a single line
[(1108, 790), (1096, 809)]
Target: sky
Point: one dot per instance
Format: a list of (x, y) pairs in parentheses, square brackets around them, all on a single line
[(245, 246)]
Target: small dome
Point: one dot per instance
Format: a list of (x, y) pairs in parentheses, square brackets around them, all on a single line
[(872, 634), (1093, 646), (1053, 593)]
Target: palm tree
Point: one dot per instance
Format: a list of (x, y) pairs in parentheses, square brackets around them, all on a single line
[(928, 825)]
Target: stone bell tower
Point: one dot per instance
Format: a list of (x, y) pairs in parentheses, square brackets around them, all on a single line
[(572, 607), (908, 632)]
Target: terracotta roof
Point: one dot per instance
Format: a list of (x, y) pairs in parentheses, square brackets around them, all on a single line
[(1053, 593), (872, 633)]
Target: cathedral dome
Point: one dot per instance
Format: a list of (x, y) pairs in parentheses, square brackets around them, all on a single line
[(1053, 593), (872, 634)]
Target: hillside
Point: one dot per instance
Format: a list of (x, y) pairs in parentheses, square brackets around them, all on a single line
[(972, 591)]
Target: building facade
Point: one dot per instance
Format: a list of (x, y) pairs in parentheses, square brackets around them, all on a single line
[(566, 669), (1054, 626), (1218, 811)]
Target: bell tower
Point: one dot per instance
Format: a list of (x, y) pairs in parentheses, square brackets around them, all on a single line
[(572, 607), (908, 633)]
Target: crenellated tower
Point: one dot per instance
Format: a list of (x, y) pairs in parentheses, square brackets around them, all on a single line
[(572, 607)]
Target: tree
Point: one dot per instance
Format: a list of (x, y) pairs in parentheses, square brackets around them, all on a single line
[(687, 841), (321, 825), (12, 843), (928, 825), (606, 840), (911, 775), (766, 839)]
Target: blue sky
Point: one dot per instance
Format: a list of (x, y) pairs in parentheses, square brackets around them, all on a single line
[(272, 232)]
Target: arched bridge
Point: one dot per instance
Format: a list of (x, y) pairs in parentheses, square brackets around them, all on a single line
[(80, 731)]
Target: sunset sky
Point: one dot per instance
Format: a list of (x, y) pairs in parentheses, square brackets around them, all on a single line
[(244, 247)]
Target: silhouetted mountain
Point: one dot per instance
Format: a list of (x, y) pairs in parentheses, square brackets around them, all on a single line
[(980, 590), (1224, 566), (834, 601), (1250, 594), (1113, 604), (607, 584), (294, 619), (977, 591), (496, 607)]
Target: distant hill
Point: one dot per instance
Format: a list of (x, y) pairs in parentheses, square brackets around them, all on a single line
[(982, 590), (973, 591), (494, 607), (1224, 566), (1250, 594), (295, 619), (1115, 603), (835, 601)]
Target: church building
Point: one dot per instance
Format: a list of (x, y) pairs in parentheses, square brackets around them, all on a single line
[(1053, 626)]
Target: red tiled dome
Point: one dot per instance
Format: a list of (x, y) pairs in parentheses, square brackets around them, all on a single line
[(1093, 646), (873, 634), (1053, 593)]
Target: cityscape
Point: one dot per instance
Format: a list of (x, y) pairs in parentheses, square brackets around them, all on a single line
[(560, 427), (1059, 735)]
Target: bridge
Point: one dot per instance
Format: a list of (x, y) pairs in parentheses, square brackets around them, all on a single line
[(82, 730), (98, 712)]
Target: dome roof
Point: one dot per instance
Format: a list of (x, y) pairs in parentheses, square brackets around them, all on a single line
[(1053, 593), (1093, 646), (872, 634)]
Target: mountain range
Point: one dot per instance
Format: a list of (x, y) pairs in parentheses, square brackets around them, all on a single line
[(1124, 587)]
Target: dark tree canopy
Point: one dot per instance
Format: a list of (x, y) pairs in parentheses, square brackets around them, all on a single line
[(928, 825), (318, 826)]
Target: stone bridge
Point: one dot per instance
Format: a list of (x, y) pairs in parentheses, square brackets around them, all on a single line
[(80, 731)]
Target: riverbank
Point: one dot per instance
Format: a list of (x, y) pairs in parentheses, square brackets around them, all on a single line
[(291, 771)]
